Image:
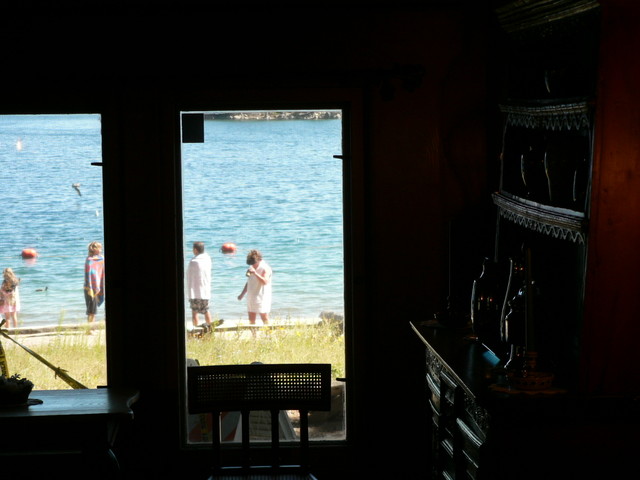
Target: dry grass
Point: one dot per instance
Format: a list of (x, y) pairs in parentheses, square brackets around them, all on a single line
[(286, 344), (82, 353)]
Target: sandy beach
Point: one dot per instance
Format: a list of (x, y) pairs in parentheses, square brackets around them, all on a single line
[(34, 336), (95, 332)]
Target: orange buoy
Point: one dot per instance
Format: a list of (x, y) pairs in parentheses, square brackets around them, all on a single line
[(228, 247), (29, 253)]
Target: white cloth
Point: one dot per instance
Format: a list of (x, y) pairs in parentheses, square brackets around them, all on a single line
[(199, 277), (258, 294)]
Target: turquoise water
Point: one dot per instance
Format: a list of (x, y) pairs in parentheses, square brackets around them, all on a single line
[(275, 186), (271, 185), (40, 158)]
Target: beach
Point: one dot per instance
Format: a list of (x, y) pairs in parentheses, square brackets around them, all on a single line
[(273, 185), (33, 336)]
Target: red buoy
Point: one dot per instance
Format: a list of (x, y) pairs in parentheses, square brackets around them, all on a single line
[(228, 247), (29, 253)]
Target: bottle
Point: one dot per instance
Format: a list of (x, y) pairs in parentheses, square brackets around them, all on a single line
[(486, 306), (514, 323), (514, 284), (532, 168), (517, 361)]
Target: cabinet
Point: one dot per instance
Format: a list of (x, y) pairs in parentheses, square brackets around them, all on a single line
[(481, 433), (569, 70), (547, 112), (459, 423), (546, 168), (582, 226)]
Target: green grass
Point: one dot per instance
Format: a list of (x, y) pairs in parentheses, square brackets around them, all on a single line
[(83, 355), (292, 344)]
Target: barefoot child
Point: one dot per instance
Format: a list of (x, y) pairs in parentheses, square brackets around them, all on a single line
[(10, 298)]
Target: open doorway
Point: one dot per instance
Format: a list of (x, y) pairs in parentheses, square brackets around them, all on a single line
[(270, 181)]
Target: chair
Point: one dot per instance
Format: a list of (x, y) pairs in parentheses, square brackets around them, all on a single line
[(258, 388)]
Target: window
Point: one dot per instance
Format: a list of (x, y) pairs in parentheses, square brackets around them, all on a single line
[(52, 197), (270, 181)]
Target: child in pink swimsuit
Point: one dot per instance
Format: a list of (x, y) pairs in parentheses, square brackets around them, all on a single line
[(10, 298)]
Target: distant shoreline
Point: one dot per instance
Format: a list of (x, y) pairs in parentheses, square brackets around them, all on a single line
[(298, 115)]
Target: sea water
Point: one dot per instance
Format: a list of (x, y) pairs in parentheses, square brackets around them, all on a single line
[(273, 185)]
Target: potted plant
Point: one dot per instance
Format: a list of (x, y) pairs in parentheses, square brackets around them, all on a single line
[(14, 390)]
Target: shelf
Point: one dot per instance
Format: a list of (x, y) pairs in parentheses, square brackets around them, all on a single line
[(543, 17), (551, 116), (557, 222)]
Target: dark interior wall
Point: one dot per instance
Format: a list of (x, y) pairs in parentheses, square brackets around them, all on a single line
[(611, 305), (426, 167), (421, 150)]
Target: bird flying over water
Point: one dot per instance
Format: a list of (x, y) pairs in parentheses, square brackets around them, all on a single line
[(76, 187)]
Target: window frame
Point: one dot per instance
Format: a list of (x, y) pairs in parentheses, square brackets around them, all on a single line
[(39, 106), (141, 139), (352, 207)]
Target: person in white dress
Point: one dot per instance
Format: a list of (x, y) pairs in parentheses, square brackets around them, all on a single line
[(257, 288), (199, 283)]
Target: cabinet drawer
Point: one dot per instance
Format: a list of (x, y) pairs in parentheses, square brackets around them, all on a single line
[(476, 418), (434, 409), (436, 420), (435, 415), (434, 389), (447, 458), (471, 467), (448, 383), (448, 391), (447, 476), (471, 443), (447, 447)]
